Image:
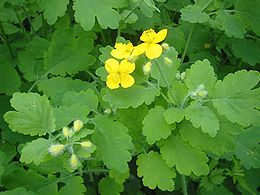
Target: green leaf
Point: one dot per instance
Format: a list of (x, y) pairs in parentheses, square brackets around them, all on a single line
[(10, 28), (249, 12), (144, 22), (31, 59), (216, 191), (251, 183), (168, 69), (64, 115), (174, 114), (236, 100), (108, 186), (155, 172), (56, 87), (155, 126), (180, 91), (216, 177), (86, 98), (18, 191), (247, 49), (200, 73), (53, 9), (35, 151), (86, 11), (73, 185), (194, 14), (248, 148), (202, 116), (70, 56), (180, 154), (231, 24), (176, 37), (113, 143), (75, 106), (33, 115), (221, 143), (33, 181), (127, 116), (9, 78), (118, 177), (129, 19), (133, 96)]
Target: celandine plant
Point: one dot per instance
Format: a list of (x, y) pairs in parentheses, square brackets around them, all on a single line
[(165, 100)]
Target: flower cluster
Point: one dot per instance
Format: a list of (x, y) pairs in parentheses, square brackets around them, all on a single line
[(119, 72), (70, 141)]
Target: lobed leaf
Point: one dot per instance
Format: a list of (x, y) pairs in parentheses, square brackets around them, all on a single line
[(35, 151), (113, 143), (155, 126), (33, 115), (180, 154), (236, 100)]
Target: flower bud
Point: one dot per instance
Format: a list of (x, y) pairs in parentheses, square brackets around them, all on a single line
[(165, 46), (207, 45), (66, 131), (86, 144), (203, 94), (107, 111), (167, 60), (147, 68), (132, 58), (74, 161), (182, 76), (77, 125), (56, 149)]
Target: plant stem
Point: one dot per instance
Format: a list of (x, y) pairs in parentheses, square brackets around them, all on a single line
[(22, 26), (119, 29), (5, 40), (184, 185), (167, 84), (187, 44)]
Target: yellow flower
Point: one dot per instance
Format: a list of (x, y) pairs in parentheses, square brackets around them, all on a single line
[(119, 73), (150, 46), (122, 50)]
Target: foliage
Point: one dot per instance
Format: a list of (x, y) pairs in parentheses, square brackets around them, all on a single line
[(129, 97)]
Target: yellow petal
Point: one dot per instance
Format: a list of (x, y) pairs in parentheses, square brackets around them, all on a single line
[(148, 36), (160, 36), (127, 80), (153, 51), (126, 67), (111, 65), (119, 54), (122, 50), (139, 49), (113, 80)]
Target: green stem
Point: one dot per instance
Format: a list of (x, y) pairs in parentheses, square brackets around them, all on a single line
[(187, 44), (95, 78), (167, 84), (205, 7), (103, 36), (119, 29), (5, 40), (22, 26), (184, 185)]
